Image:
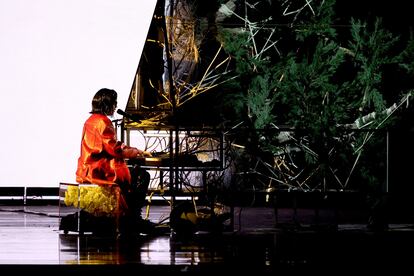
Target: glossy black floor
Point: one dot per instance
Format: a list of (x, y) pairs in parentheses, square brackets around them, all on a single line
[(263, 240)]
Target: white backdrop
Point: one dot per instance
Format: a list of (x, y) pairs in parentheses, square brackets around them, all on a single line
[(54, 56)]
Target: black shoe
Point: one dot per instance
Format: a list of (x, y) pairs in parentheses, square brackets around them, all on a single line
[(146, 226)]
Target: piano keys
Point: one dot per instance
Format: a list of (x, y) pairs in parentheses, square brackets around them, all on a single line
[(166, 160)]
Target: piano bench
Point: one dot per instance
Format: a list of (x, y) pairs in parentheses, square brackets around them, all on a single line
[(89, 208)]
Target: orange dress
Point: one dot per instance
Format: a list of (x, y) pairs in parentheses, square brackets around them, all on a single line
[(101, 158)]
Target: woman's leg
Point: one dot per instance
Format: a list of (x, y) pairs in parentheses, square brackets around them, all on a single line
[(134, 195), (140, 180)]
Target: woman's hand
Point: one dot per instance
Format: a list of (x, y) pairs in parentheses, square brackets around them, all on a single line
[(143, 153), (146, 154)]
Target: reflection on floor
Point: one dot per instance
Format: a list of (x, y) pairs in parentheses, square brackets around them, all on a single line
[(29, 235)]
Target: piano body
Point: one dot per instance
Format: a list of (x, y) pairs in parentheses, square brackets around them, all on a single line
[(179, 69)]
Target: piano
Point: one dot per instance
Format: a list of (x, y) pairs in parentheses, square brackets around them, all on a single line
[(174, 99)]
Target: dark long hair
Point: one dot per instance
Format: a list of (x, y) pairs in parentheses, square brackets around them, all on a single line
[(104, 102)]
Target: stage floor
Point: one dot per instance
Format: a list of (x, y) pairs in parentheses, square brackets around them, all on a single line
[(30, 236)]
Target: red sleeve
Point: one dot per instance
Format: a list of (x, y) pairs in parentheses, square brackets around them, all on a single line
[(114, 147), (109, 143)]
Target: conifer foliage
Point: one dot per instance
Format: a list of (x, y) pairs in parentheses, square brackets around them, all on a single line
[(313, 88)]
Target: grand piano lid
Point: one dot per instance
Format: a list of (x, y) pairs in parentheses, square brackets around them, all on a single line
[(180, 68)]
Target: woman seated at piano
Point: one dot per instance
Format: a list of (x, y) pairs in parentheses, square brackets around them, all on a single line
[(102, 162)]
